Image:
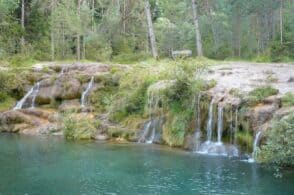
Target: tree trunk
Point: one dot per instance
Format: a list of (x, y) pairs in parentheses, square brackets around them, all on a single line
[(151, 34), (281, 21), (78, 33), (197, 30), (84, 48), (124, 17), (52, 34), (213, 27), (237, 32), (93, 15), (22, 40)]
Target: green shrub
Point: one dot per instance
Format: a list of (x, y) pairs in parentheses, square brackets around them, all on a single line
[(130, 58), (7, 103), (279, 148), (98, 49), (288, 99), (77, 127), (174, 131), (120, 133), (259, 94), (21, 61)]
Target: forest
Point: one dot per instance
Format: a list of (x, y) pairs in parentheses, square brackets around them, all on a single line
[(128, 30)]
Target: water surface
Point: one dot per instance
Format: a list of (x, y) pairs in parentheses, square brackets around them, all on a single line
[(31, 165)]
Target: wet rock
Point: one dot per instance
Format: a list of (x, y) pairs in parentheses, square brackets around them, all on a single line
[(101, 137), (64, 88), (275, 100), (36, 112), (291, 79), (261, 114), (192, 141), (70, 105), (14, 121), (279, 114)]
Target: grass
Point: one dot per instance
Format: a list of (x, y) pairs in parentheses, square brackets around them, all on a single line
[(79, 127), (259, 94), (288, 99), (7, 104)]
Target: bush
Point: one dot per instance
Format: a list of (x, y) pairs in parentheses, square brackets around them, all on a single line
[(259, 94), (279, 148), (174, 130), (130, 58), (288, 99), (120, 133), (21, 61), (98, 49), (78, 127)]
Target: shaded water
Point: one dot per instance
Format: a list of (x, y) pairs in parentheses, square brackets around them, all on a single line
[(52, 166)]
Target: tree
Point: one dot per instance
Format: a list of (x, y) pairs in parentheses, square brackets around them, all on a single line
[(281, 21), (151, 34), (22, 40), (78, 47), (197, 30)]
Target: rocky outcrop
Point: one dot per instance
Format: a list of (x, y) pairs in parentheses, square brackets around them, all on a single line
[(29, 121)]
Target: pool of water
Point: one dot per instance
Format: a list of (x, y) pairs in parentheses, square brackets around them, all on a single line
[(30, 165)]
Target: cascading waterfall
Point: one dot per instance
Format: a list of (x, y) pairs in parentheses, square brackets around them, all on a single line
[(217, 147), (62, 71), (145, 132), (231, 127), (255, 146), (236, 126), (219, 124), (86, 92), (198, 127), (197, 133), (151, 131), (210, 121), (35, 93), (34, 90)]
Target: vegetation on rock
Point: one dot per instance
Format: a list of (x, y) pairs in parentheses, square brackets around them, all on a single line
[(279, 147)]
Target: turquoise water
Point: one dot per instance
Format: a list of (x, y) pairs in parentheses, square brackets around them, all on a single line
[(52, 166)]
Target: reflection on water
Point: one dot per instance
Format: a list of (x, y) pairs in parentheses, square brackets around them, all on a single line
[(52, 166)]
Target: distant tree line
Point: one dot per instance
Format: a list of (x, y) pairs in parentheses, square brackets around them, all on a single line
[(105, 29)]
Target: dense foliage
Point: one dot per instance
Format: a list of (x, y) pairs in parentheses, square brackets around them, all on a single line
[(103, 30), (77, 127), (279, 148)]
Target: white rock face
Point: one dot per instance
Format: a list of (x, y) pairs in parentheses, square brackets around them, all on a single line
[(247, 76)]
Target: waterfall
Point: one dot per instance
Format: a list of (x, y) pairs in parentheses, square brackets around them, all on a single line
[(34, 90), (152, 137), (236, 126), (152, 129), (86, 92), (63, 70), (210, 121), (219, 124), (145, 132), (231, 126), (198, 126), (197, 133), (255, 146), (149, 132)]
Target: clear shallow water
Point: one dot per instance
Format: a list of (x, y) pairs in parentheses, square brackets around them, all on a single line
[(51, 166)]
